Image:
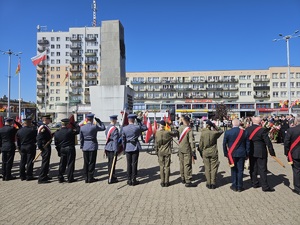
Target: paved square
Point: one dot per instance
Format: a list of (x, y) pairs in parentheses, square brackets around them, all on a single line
[(26, 202)]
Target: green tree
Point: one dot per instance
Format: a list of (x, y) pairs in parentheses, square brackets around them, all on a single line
[(221, 111)]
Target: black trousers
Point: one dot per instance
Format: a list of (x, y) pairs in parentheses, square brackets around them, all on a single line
[(7, 163), (296, 174), (259, 166), (110, 157), (28, 153), (46, 154), (67, 159), (89, 164), (132, 164)]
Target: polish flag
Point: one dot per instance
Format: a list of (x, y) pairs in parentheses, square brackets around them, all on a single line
[(149, 131), (1, 121), (154, 126), (39, 58)]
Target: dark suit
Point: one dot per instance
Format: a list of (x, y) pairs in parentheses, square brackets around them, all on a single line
[(241, 151), (292, 134), (259, 155)]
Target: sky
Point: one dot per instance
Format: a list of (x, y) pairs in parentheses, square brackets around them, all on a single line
[(160, 35)]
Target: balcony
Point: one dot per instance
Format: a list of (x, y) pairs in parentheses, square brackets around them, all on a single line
[(233, 96), (40, 93), (76, 84), (91, 69), (137, 82), (86, 92), (41, 72), (233, 80), (43, 64), (75, 92), (261, 88), (75, 54), (94, 61), (261, 79), (41, 79), (41, 49), (75, 69), (139, 98), (75, 62), (40, 87), (167, 89), (215, 81), (39, 102), (43, 42), (90, 39), (75, 47), (75, 101), (75, 38), (214, 89), (87, 100), (90, 54), (262, 96), (90, 84), (233, 88), (75, 77), (90, 77)]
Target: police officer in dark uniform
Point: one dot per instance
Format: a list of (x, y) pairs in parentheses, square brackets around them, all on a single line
[(65, 144), (284, 126), (132, 146), (26, 139), (89, 146), (8, 148), (44, 136), (111, 146)]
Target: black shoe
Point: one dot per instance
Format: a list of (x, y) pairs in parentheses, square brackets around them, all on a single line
[(92, 180), (296, 192), (256, 186), (162, 184), (61, 180), (269, 190), (129, 182), (233, 188), (72, 180), (167, 184), (30, 178), (135, 182), (43, 182), (114, 180), (86, 181), (183, 181), (240, 189), (188, 185), (23, 178), (212, 186), (208, 186), (48, 178), (10, 178)]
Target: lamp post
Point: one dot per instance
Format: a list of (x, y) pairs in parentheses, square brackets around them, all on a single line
[(287, 38), (9, 53)]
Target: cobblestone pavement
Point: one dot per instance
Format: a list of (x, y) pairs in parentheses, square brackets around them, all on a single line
[(26, 202)]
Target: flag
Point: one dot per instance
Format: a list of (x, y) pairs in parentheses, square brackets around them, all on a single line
[(66, 77), (18, 67), (39, 58), (1, 121), (167, 120), (149, 132), (154, 127)]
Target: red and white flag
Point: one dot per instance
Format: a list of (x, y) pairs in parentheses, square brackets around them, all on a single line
[(39, 58), (149, 131)]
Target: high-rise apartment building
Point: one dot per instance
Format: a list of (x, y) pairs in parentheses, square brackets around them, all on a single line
[(244, 92)]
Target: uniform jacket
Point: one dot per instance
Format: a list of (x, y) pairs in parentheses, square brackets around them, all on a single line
[(65, 137), (44, 135), (112, 143), (88, 136), (208, 139), (291, 135), (187, 144), (26, 136), (163, 140), (7, 138), (130, 136), (259, 143), (241, 150)]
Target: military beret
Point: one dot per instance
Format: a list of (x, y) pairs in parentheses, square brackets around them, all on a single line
[(66, 120), (46, 116), (113, 117), (132, 116), (9, 119), (208, 122), (162, 122), (90, 115)]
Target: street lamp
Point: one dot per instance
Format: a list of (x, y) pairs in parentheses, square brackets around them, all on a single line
[(287, 38), (9, 53)]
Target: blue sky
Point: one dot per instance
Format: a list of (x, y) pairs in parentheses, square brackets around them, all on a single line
[(160, 35)]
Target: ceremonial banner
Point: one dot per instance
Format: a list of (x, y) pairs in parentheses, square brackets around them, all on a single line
[(39, 58)]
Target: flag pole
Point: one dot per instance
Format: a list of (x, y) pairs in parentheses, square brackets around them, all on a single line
[(45, 111), (68, 102), (20, 88)]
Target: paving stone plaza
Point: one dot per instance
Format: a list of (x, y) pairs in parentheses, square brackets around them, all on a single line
[(26, 202)]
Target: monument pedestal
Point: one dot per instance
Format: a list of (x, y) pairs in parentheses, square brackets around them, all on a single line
[(111, 100)]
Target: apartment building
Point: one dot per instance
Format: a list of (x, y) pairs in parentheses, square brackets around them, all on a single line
[(245, 92)]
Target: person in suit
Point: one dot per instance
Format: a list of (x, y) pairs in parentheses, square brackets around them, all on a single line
[(236, 147), (293, 154), (64, 140), (89, 146), (186, 151), (111, 146), (209, 150), (260, 143), (163, 143), (44, 136), (8, 148), (26, 140), (132, 147)]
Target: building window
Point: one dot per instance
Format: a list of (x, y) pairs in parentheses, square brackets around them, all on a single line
[(57, 53), (57, 38), (298, 84), (67, 53), (57, 99), (57, 83), (52, 39), (249, 85), (51, 83), (242, 93), (248, 77), (51, 99), (52, 76), (282, 84), (242, 77), (283, 94), (243, 85), (292, 75), (57, 91), (275, 84), (57, 76), (58, 46), (282, 75), (52, 61), (275, 75), (67, 46), (275, 94), (298, 93), (52, 53), (249, 93), (58, 61), (297, 75), (292, 94), (66, 91), (51, 91), (67, 38), (292, 84), (52, 68), (66, 98), (52, 46), (57, 68), (67, 61)]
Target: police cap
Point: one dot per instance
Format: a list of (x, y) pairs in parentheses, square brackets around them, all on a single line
[(162, 122), (66, 120), (113, 117), (132, 116), (90, 115)]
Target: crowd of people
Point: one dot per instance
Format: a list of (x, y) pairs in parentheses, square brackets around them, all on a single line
[(248, 139)]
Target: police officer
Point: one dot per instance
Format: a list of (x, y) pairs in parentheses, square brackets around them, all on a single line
[(111, 146), (89, 146), (163, 143), (65, 145), (26, 139), (186, 151), (8, 148), (208, 147), (44, 136), (132, 146)]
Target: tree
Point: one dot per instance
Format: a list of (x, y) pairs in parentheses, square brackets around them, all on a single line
[(221, 111)]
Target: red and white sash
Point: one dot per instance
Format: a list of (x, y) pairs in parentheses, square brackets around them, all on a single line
[(110, 131), (293, 145), (254, 132), (233, 148), (185, 131)]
